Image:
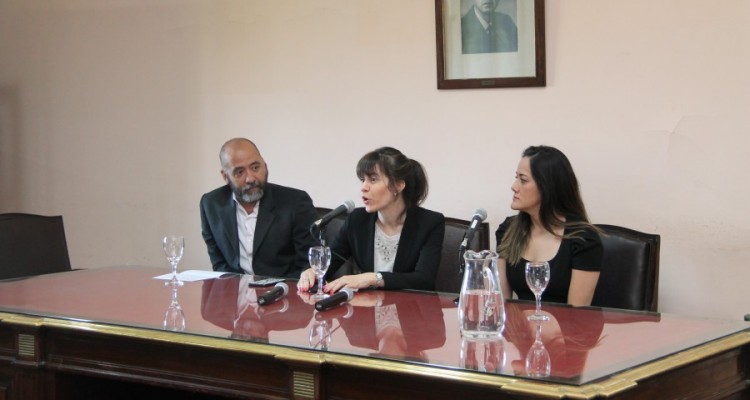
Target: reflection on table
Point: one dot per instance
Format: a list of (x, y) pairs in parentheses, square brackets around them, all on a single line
[(232, 304), (563, 339), (483, 355), (174, 317), (374, 320), (323, 327)]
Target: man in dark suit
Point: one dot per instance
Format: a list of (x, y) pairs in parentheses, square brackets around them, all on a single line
[(252, 226), (485, 31)]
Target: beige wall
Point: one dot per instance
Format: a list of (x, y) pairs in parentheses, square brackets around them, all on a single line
[(112, 113)]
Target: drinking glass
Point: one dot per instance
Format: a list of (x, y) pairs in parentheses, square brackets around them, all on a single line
[(537, 277), (174, 246), (320, 259), (538, 362), (174, 318)]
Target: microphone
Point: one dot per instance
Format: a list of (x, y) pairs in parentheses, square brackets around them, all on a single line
[(480, 214), (347, 207), (337, 299), (278, 291)]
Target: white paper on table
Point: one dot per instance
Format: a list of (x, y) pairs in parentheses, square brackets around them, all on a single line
[(192, 275)]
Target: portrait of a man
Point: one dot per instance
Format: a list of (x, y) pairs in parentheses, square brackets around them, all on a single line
[(485, 30)]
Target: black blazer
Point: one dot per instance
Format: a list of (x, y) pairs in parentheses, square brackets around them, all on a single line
[(418, 254), (281, 238)]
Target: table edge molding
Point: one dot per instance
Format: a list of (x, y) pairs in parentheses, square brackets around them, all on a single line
[(605, 387)]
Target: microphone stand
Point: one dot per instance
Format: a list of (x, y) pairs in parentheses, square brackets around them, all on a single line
[(461, 267), (461, 263), (321, 236)]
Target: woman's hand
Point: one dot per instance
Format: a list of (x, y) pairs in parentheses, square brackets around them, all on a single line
[(359, 281), (306, 280)]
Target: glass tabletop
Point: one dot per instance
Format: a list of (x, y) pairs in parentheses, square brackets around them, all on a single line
[(581, 345)]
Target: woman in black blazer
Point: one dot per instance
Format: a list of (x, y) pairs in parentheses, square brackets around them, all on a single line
[(393, 242)]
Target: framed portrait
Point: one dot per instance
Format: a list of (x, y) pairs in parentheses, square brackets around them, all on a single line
[(490, 43)]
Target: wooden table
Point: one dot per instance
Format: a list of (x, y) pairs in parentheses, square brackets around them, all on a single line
[(100, 334)]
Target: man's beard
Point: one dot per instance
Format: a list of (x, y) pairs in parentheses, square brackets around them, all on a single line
[(245, 195)]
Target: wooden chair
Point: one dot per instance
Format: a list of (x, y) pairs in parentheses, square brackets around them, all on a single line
[(448, 278), (32, 245), (629, 277)]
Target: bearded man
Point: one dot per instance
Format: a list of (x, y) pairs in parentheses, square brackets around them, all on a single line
[(252, 226)]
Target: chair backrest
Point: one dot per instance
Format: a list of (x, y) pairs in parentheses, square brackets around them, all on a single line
[(448, 278), (32, 245), (629, 275)]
